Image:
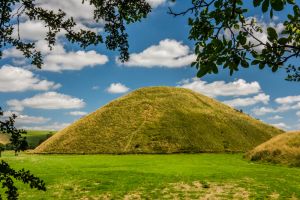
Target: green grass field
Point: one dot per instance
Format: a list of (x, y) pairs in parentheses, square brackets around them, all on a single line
[(181, 176)]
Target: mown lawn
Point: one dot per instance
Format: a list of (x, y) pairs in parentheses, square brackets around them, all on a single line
[(181, 176)]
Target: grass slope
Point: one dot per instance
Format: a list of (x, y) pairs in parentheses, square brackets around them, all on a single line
[(282, 149), (176, 176), (161, 120)]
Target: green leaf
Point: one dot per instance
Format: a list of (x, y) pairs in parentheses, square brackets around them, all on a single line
[(277, 5), (265, 6), (244, 63), (215, 69), (203, 71), (282, 41), (255, 62), (261, 65), (272, 34), (242, 39), (275, 68)]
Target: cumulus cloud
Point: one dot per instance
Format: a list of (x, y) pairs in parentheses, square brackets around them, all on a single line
[(58, 59), (117, 88), (73, 8), (49, 127), (25, 119), (30, 30), (288, 99), (15, 79), (281, 125), (156, 3), (168, 53), (298, 113), (220, 88), (48, 100), (77, 113), (242, 102), (282, 108), (73, 60)]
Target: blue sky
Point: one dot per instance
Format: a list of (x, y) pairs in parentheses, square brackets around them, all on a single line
[(74, 82)]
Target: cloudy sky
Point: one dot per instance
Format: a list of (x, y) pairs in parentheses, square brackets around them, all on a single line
[(75, 82)]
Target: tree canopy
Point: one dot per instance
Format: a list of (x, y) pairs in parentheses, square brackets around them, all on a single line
[(224, 37)]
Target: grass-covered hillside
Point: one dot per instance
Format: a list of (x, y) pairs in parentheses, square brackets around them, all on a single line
[(282, 149), (34, 137), (161, 120)]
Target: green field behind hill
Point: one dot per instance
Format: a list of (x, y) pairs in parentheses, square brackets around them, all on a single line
[(34, 137), (176, 176)]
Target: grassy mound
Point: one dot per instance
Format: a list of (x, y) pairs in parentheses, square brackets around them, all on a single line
[(282, 149), (161, 120)]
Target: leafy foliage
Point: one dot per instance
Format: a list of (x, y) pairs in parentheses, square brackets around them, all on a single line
[(17, 141), (226, 38), (115, 13), (7, 174)]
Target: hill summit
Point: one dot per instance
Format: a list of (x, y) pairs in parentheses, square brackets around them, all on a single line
[(161, 120)]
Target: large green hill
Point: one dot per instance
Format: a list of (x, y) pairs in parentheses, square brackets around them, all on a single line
[(161, 120)]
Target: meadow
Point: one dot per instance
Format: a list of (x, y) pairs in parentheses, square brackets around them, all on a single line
[(172, 176)]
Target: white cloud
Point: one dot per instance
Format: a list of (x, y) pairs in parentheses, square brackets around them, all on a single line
[(288, 99), (241, 102), (49, 127), (73, 60), (281, 125), (263, 111), (116, 88), (156, 3), (74, 8), (15, 79), (220, 88), (282, 108), (25, 119), (168, 53), (30, 30), (298, 113), (276, 117), (59, 60), (77, 113), (48, 100)]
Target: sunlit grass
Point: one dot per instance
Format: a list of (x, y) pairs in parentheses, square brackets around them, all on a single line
[(183, 176)]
